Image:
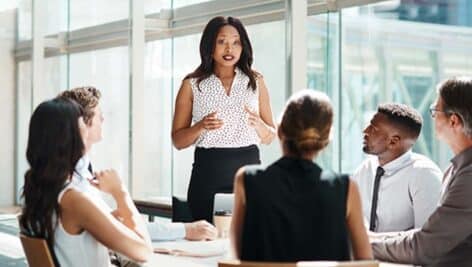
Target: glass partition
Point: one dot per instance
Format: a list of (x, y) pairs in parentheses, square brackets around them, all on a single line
[(398, 52), (360, 56), (108, 70)]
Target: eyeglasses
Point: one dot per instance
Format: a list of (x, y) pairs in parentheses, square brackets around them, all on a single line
[(433, 111)]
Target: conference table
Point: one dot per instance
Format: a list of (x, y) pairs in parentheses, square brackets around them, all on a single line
[(177, 250)]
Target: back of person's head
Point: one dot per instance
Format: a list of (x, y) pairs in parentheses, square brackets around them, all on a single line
[(306, 122), (404, 118), (456, 95), (54, 146), (207, 47), (88, 97)]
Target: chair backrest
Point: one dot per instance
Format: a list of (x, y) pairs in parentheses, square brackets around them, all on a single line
[(237, 263), (36, 251), (223, 202), (180, 210), (364, 263)]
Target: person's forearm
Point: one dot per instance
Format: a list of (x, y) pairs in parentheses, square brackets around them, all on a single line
[(162, 231), (398, 249), (186, 137), (129, 215), (266, 133)]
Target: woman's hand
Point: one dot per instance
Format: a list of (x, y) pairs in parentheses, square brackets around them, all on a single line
[(254, 119), (108, 181), (211, 122), (264, 131)]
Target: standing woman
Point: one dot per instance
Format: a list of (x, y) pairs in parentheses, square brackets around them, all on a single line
[(228, 103)]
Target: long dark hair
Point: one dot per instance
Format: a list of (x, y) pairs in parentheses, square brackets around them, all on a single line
[(207, 47), (54, 147)]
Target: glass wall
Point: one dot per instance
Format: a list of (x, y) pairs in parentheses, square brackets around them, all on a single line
[(25, 20), (398, 52), (181, 3), (360, 56), (58, 22), (323, 74), (108, 70), (158, 116), (23, 113), (86, 13), (154, 6), (269, 60), (185, 59)]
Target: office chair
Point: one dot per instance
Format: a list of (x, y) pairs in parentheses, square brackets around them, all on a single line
[(36, 251)]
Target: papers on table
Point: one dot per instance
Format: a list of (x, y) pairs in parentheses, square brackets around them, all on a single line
[(193, 248)]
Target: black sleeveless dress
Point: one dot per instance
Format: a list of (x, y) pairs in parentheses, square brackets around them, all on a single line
[(294, 211)]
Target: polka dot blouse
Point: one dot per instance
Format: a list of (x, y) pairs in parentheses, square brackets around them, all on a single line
[(212, 97)]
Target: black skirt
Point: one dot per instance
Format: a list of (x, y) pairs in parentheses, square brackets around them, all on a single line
[(213, 172)]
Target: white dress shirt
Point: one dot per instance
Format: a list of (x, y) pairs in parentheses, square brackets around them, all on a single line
[(158, 230), (408, 192)]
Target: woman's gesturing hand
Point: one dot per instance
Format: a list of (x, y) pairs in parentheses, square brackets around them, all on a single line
[(254, 119), (211, 122)]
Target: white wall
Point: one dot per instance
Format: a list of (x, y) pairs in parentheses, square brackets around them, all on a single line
[(7, 107)]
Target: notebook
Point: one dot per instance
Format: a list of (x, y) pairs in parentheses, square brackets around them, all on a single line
[(212, 248)]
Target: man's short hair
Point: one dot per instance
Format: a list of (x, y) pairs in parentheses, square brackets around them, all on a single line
[(456, 95), (403, 116), (87, 97)]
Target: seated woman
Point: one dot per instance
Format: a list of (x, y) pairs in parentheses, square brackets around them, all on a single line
[(77, 226), (293, 210)]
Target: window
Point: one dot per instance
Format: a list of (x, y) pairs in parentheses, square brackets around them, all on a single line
[(391, 55), (107, 70), (158, 117), (360, 56), (23, 110), (86, 13), (323, 74)]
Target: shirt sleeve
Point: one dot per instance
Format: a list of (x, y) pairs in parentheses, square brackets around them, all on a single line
[(424, 191), (443, 231), (163, 231)]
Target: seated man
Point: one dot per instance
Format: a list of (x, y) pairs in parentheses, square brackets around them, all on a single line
[(88, 98), (399, 188), (446, 237)]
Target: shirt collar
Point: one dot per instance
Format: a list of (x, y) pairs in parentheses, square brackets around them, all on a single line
[(81, 168), (237, 71), (461, 159), (396, 164)]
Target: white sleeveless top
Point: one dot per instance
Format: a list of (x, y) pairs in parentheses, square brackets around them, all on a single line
[(212, 97), (81, 249)]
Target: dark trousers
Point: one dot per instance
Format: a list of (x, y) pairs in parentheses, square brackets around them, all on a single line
[(213, 172)]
